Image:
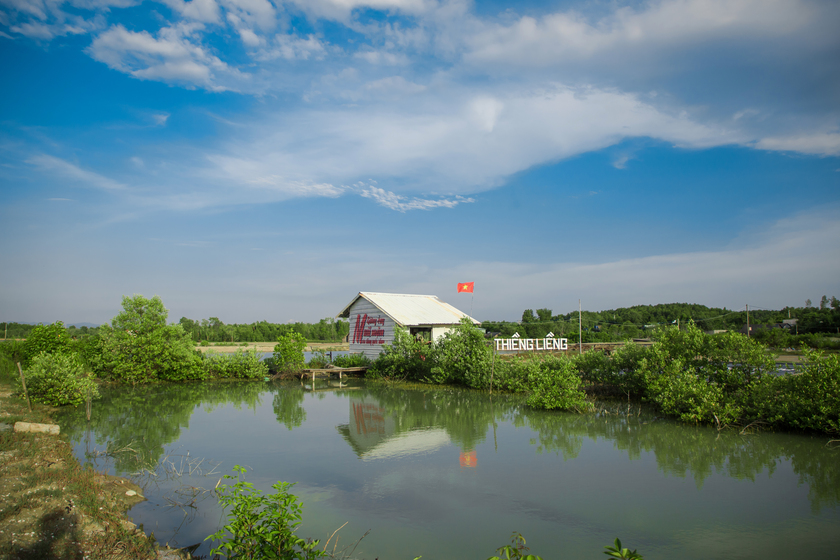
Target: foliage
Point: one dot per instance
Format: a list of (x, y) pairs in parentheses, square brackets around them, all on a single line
[(214, 330), (809, 400), (242, 364), (616, 551), (58, 379), (352, 360), (461, 356), (89, 351), (516, 550), (557, 386), (288, 353), (514, 373), (139, 347), (638, 321), (405, 358), (261, 526), (319, 360), (11, 352), (51, 339)]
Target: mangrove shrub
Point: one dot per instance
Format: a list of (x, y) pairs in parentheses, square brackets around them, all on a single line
[(58, 379), (242, 364), (139, 347)]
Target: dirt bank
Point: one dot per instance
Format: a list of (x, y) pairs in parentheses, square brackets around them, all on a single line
[(52, 507)]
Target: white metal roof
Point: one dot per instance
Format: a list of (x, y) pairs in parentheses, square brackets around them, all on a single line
[(411, 310)]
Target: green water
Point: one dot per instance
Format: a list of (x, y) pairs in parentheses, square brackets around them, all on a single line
[(447, 473)]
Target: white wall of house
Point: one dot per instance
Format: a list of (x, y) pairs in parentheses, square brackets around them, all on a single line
[(438, 332)]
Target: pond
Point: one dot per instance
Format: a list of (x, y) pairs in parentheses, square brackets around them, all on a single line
[(446, 473)]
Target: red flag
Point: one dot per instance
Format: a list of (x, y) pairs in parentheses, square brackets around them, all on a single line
[(466, 287)]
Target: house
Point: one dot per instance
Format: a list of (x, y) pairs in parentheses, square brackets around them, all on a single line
[(373, 317)]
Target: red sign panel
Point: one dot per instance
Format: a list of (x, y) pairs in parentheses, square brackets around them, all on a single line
[(369, 330)]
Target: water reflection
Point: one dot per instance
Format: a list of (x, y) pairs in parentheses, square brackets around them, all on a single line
[(374, 432), (410, 456)]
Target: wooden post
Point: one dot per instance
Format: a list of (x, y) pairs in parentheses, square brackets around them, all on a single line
[(748, 320), (492, 368), (23, 381), (580, 329)]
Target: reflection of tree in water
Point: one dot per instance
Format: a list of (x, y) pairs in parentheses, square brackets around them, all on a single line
[(145, 419), (288, 405), (697, 451)]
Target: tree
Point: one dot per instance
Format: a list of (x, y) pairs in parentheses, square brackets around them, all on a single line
[(823, 302), (50, 339), (807, 303), (544, 315), (138, 346), (528, 316)]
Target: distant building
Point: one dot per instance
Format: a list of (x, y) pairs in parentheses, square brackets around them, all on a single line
[(373, 317)]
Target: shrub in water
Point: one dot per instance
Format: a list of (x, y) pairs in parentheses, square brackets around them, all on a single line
[(556, 386), (352, 360), (462, 356), (288, 353), (59, 379), (242, 364)]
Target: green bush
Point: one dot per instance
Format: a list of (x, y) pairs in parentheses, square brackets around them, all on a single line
[(807, 400), (595, 367), (288, 353), (11, 352), (405, 358), (461, 356), (319, 360), (59, 379), (50, 338), (261, 527), (514, 374), (352, 360), (242, 364), (557, 386)]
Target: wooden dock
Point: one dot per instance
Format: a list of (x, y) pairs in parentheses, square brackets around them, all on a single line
[(323, 373)]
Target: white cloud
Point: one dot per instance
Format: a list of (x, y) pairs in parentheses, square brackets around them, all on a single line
[(468, 144), (561, 36), (205, 11), (293, 47), (175, 55), (67, 170), (818, 143), (341, 9), (382, 57), (403, 204), (395, 86)]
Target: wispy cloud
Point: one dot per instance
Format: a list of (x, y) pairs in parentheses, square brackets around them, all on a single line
[(67, 170), (403, 204)]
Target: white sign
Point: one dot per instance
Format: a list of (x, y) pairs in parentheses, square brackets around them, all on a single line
[(516, 343)]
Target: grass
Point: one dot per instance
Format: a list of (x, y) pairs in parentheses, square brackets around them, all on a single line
[(51, 506)]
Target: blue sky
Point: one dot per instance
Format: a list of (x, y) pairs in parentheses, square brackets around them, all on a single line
[(259, 159)]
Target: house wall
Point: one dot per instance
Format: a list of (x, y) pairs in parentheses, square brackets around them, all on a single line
[(376, 332), (438, 332)]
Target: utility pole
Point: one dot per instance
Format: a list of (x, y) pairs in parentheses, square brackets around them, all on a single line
[(580, 329), (748, 320)]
